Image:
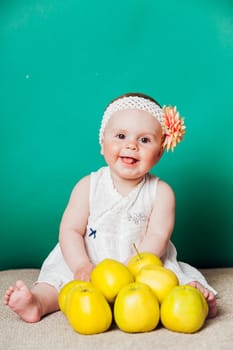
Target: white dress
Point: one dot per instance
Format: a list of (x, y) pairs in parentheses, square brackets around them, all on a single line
[(114, 224)]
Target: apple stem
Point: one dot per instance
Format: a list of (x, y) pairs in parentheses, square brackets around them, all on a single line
[(137, 251)]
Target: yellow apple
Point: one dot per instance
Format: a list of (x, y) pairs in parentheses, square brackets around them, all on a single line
[(87, 310), (140, 260), (184, 310), (160, 279), (109, 276), (136, 309), (66, 290)]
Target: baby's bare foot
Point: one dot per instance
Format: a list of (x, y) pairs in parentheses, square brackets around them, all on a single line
[(21, 300), (209, 296)]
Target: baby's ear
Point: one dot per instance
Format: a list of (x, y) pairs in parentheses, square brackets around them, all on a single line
[(102, 149), (161, 151)]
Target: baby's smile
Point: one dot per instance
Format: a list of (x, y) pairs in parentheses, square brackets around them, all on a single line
[(128, 160)]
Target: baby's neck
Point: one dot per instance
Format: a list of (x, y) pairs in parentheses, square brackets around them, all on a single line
[(125, 186)]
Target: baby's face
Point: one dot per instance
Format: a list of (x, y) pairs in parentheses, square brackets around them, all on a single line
[(132, 143)]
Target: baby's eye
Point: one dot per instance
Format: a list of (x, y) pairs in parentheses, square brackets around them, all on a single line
[(144, 139), (120, 136)]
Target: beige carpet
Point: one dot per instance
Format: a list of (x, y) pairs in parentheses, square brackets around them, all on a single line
[(53, 332)]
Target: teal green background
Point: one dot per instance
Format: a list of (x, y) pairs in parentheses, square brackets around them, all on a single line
[(62, 61)]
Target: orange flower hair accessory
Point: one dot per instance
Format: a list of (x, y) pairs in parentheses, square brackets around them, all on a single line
[(174, 128)]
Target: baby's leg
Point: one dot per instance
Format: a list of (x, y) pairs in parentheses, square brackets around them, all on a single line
[(32, 305), (209, 296)]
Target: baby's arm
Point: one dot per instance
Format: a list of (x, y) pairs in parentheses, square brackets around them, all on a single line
[(72, 229), (161, 222)]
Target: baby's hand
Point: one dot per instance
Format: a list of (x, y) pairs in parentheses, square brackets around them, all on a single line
[(84, 272)]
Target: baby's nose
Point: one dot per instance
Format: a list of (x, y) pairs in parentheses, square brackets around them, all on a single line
[(131, 145)]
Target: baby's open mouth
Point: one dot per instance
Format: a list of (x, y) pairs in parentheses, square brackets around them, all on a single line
[(129, 160)]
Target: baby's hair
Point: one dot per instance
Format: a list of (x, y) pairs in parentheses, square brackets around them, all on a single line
[(139, 94)]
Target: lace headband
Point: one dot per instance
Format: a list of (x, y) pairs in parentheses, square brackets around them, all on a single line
[(171, 123)]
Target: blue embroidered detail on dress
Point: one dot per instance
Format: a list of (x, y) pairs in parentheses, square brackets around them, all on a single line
[(92, 233)]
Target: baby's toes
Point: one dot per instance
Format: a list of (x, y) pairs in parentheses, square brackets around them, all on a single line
[(8, 294)]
